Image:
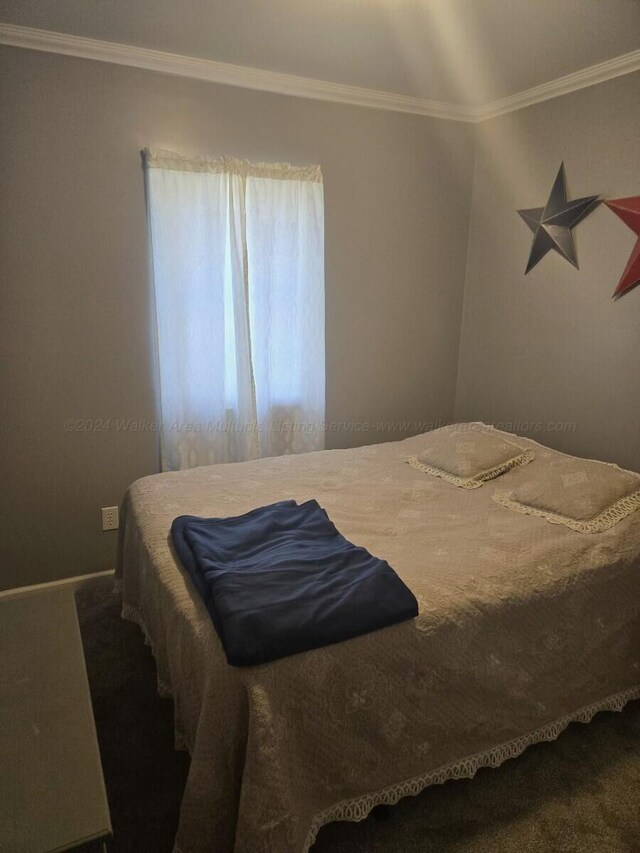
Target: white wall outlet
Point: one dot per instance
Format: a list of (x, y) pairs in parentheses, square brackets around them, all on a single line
[(110, 519)]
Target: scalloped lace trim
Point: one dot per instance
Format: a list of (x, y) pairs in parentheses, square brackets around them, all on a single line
[(162, 159), (603, 521), (358, 808), (132, 615), (476, 480)]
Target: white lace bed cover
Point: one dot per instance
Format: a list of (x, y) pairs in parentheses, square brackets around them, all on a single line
[(524, 627)]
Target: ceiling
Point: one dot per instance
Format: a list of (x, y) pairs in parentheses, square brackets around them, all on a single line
[(462, 52)]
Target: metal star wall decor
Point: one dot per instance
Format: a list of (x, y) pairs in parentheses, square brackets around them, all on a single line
[(628, 209), (552, 224)]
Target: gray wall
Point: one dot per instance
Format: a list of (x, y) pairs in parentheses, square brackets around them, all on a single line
[(554, 347), (74, 332)]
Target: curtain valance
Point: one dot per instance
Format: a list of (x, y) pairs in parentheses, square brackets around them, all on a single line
[(161, 159)]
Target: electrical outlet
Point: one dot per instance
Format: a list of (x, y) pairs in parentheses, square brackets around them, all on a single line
[(110, 518)]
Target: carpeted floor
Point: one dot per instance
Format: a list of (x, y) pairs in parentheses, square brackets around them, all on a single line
[(580, 794)]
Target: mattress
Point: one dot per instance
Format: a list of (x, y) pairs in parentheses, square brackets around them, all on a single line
[(524, 626)]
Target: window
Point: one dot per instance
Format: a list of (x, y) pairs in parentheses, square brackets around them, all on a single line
[(238, 273)]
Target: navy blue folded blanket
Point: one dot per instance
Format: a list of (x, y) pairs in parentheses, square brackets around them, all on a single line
[(281, 579)]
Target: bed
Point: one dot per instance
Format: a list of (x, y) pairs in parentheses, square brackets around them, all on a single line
[(524, 626)]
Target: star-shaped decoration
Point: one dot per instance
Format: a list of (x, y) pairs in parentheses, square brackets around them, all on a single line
[(628, 209), (552, 224)]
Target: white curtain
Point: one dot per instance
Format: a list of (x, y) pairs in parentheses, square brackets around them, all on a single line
[(238, 271)]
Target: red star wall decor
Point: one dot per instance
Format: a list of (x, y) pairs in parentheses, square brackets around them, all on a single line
[(628, 209)]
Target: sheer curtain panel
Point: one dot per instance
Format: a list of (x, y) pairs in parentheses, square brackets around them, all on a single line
[(238, 274)]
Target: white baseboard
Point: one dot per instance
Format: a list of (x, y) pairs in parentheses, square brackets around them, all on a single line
[(72, 582)]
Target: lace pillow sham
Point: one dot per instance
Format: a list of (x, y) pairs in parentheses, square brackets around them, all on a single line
[(583, 495), (467, 455)]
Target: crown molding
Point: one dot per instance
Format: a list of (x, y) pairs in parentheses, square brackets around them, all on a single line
[(603, 71), (224, 72), (276, 82)]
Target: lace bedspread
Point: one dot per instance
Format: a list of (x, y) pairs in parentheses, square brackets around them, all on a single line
[(523, 627)]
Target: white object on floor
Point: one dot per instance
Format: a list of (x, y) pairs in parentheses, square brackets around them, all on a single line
[(52, 793)]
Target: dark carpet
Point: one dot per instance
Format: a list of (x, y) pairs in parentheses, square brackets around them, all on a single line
[(579, 794)]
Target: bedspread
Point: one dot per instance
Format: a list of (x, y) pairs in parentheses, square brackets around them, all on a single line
[(523, 627)]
